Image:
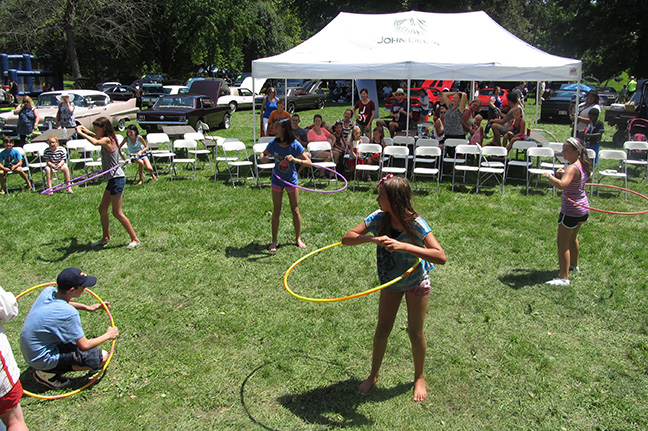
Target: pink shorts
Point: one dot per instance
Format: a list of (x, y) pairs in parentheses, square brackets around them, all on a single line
[(423, 288), (281, 187)]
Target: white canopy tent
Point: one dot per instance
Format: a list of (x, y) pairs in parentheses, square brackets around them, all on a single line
[(417, 45)]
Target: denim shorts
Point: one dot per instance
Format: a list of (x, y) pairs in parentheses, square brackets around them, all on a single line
[(70, 354), (116, 185)]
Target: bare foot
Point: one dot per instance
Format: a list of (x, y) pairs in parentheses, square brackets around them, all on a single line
[(70, 191), (154, 178), (301, 244), (139, 182), (273, 247), (365, 386), (420, 393)]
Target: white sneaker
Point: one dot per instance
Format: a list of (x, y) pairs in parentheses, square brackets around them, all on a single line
[(51, 380), (574, 268), (133, 244), (98, 243), (559, 282)]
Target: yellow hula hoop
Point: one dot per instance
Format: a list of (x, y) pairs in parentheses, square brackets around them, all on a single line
[(341, 298), (103, 369)]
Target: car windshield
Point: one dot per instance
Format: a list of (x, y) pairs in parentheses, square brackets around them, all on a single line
[(174, 102), (50, 99)]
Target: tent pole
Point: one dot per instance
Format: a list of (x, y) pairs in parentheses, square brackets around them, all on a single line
[(352, 93), (286, 92), (537, 103), (254, 136), (408, 107), (578, 89)]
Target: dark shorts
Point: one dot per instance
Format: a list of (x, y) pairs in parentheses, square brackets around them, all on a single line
[(116, 185), (11, 398), (571, 222), (70, 354)]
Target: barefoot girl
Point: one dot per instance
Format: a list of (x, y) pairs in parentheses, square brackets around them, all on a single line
[(286, 151), (137, 147), (571, 216), (401, 236), (104, 135)]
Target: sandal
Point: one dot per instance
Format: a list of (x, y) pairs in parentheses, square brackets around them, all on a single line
[(273, 247), (300, 244)]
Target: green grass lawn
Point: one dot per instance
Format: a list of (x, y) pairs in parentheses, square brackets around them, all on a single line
[(210, 340)]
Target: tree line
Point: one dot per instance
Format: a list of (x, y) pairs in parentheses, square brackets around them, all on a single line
[(123, 39)]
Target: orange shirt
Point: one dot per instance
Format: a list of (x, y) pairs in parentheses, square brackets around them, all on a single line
[(274, 116)]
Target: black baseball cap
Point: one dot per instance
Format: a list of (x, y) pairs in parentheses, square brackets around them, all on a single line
[(73, 277)]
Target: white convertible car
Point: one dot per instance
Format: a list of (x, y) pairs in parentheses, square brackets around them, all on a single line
[(89, 105)]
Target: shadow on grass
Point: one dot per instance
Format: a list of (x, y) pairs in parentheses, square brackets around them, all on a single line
[(520, 277), (253, 251), (334, 406), (71, 245), (77, 380)]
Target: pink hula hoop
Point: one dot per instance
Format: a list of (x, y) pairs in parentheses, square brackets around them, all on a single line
[(346, 183), (613, 212)]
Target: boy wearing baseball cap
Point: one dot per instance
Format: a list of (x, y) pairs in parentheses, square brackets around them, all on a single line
[(52, 339)]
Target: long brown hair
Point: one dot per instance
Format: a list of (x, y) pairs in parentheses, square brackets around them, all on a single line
[(399, 194), (106, 125)]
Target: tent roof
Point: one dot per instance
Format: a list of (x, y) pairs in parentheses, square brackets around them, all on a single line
[(417, 45)]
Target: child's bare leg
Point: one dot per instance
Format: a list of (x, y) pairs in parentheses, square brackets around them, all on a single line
[(66, 174), (48, 176), (276, 213), (149, 168), (140, 165), (293, 197), (387, 309), (119, 215), (416, 309), (14, 420)]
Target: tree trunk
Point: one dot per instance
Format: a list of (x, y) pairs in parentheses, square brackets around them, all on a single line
[(70, 41)]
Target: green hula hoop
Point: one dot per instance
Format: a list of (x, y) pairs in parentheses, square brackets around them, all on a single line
[(340, 298)]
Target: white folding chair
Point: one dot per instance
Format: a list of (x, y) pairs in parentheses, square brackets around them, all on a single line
[(427, 142), (619, 157), (77, 153), (317, 147), (513, 160), (94, 158), (265, 139), (388, 142), (451, 143), (365, 139), (558, 161), (25, 167), (364, 151), (236, 158), (259, 166), (430, 158), (492, 167), (160, 146), (183, 152), (200, 141), (461, 153), (404, 140), (535, 156), (36, 150), (642, 146), (390, 155)]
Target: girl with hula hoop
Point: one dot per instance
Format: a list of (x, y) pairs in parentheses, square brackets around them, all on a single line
[(286, 151), (402, 237), (572, 214), (104, 135)]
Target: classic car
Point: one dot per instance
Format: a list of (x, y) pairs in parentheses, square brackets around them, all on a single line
[(237, 99), (556, 106), (150, 93), (485, 95), (607, 94), (431, 86), (89, 105), (120, 92), (197, 110), (176, 89)]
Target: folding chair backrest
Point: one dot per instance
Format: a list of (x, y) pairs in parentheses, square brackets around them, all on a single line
[(427, 142), (494, 151), (37, 149), (120, 139), (404, 140), (453, 142), (196, 136), (234, 145), (468, 149), (427, 151), (369, 148), (613, 155), (523, 145), (189, 144), (259, 148), (540, 152), (365, 139), (319, 146), (388, 142), (591, 154), (265, 139), (556, 146), (396, 151), (155, 140), (635, 145), (25, 164)]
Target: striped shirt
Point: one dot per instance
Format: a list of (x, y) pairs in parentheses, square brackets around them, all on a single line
[(576, 192), (54, 156)]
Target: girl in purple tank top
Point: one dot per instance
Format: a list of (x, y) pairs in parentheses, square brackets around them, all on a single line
[(572, 183)]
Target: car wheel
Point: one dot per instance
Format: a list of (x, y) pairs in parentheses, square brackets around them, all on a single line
[(320, 104), (233, 105), (290, 108), (121, 125), (201, 126), (226, 122)]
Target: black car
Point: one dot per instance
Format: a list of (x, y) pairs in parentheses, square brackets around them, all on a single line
[(196, 110), (120, 92), (150, 93), (556, 106)]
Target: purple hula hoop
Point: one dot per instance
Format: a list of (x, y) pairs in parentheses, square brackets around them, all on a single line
[(346, 183), (74, 181)]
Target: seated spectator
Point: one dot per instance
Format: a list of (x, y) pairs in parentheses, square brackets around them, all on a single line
[(424, 107), (278, 113), (318, 133), (54, 157), (469, 115), (52, 339), (339, 145), (10, 161), (347, 123), (138, 149), (378, 137), (439, 124), (477, 132), (502, 125), (494, 108), (300, 134), (517, 130), (354, 140), (398, 114)]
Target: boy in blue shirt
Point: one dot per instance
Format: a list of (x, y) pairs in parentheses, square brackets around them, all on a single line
[(52, 340), (10, 161)]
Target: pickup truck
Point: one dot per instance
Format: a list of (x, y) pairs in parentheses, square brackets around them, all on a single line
[(619, 115)]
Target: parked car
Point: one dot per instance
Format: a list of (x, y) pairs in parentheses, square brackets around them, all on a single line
[(556, 106), (176, 89), (120, 92), (198, 109), (431, 86), (151, 92), (90, 104), (305, 96), (620, 114), (237, 99), (607, 95), (486, 93), (108, 84)]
